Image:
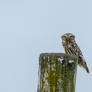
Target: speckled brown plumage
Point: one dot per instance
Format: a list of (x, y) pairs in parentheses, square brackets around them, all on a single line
[(71, 48)]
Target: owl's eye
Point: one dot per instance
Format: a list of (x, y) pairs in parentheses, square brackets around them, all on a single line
[(64, 37), (72, 37)]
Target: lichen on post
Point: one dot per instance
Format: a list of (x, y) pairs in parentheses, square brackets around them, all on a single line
[(57, 72)]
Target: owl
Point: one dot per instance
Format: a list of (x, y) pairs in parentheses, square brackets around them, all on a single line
[(71, 48)]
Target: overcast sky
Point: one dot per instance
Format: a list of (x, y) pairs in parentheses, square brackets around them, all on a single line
[(31, 27)]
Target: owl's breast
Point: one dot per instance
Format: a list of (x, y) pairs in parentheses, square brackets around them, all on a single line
[(65, 43)]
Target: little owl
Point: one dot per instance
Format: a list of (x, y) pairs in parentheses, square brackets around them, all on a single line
[(71, 48)]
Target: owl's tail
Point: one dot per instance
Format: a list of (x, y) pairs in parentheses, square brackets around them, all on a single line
[(87, 70), (84, 65)]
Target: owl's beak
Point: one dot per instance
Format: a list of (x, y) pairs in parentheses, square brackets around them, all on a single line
[(67, 39)]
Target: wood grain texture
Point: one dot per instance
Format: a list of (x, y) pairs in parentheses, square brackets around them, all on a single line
[(57, 72)]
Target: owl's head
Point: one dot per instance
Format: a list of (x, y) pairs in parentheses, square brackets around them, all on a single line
[(68, 37)]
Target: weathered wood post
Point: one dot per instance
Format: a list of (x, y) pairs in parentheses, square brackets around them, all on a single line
[(57, 72)]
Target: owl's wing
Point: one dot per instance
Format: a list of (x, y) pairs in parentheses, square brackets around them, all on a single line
[(81, 61), (77, 50)]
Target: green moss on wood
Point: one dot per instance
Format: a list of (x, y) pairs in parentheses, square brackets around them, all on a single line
[(57, 72)]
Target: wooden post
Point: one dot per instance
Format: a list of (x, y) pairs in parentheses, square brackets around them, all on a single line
[(57, 72)]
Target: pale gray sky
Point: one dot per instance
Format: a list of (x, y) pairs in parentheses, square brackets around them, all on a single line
[(31, 27)]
